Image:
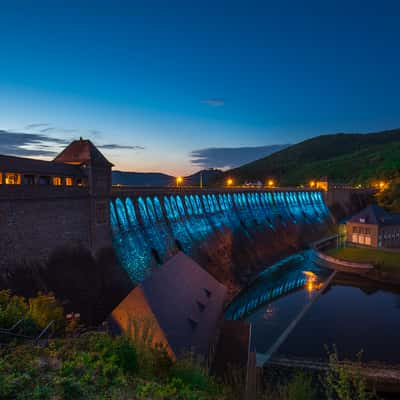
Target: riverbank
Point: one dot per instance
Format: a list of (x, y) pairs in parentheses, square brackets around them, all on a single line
[(386, 264), (386, 261)]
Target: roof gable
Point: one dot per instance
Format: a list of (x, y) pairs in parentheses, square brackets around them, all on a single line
[(373, 214), (82, 152)]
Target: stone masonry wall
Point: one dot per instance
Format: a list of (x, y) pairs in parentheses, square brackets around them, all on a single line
[(31, 228)]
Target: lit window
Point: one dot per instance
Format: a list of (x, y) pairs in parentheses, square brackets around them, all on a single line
[(57, 181), (12, 179), (68, 181), (1, 178)]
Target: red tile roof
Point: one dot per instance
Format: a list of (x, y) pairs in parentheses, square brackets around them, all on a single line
[(82, 152)]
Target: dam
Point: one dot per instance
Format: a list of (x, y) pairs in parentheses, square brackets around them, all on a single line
[(148, 226), (70, 201)]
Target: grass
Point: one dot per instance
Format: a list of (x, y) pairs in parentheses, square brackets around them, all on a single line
[(98, 366), (385, 260)]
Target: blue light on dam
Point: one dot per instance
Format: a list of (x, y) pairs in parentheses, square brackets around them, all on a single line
[(148, 230)]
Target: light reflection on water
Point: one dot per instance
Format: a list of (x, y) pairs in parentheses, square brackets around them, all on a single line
[(354, 313)]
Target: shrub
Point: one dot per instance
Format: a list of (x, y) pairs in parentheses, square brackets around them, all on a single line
[(12, 309), (44, 308), (191, 372), (342, 382), (300, 387)]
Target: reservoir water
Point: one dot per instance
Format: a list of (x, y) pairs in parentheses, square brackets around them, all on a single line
[(354, 313)]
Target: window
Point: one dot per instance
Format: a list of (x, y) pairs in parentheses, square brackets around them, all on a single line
[(1, 178), (354, 238), (12, 179), (44, 180), (102, 213), (29, 179), (68, 181), (57, 181)]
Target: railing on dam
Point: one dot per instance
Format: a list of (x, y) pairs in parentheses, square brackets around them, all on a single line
[(150, 225)]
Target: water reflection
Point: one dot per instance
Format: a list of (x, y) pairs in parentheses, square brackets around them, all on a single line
[(354, 313)]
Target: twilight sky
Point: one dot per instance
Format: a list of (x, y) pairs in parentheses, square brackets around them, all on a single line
[(174, 85)]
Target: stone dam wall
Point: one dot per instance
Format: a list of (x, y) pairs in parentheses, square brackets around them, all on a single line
[(91, 250)]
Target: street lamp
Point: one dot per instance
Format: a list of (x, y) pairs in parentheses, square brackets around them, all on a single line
[(229, 182), (312, 184), (270, 183), (179, 181)]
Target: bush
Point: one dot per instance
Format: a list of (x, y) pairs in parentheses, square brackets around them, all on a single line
[(191, 372), (35, 313), (342, 382), (44, 308), (299, 388), (12, 309)]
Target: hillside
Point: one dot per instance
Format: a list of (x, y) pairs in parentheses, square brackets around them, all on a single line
[(141, 178), (159, 179), (354, 158)]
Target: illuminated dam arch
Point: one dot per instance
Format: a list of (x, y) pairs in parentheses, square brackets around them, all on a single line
[(247, 305), (150, 225)]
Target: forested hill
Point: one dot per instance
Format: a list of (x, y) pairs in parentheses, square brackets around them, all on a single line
[(354, 158)]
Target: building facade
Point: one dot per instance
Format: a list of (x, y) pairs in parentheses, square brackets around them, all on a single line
[(45, 205), (374, 227)]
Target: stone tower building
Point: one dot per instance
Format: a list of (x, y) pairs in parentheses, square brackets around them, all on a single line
[(45, 205), (97, 171)]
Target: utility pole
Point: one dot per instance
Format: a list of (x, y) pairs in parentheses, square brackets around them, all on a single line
[(201, 180)]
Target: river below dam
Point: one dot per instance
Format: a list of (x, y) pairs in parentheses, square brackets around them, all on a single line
[(351, 312)]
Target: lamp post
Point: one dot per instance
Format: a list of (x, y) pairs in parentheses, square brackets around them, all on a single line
[(179, 181), (229, 182)]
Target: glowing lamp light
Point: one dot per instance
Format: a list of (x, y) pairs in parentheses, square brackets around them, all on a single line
[(270, 182), (179, 180), (229, 182), (312, 183)]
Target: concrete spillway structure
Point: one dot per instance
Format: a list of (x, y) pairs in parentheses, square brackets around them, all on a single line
[(148, 226)]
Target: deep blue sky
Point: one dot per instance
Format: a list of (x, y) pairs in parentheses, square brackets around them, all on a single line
[(173, 77)]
